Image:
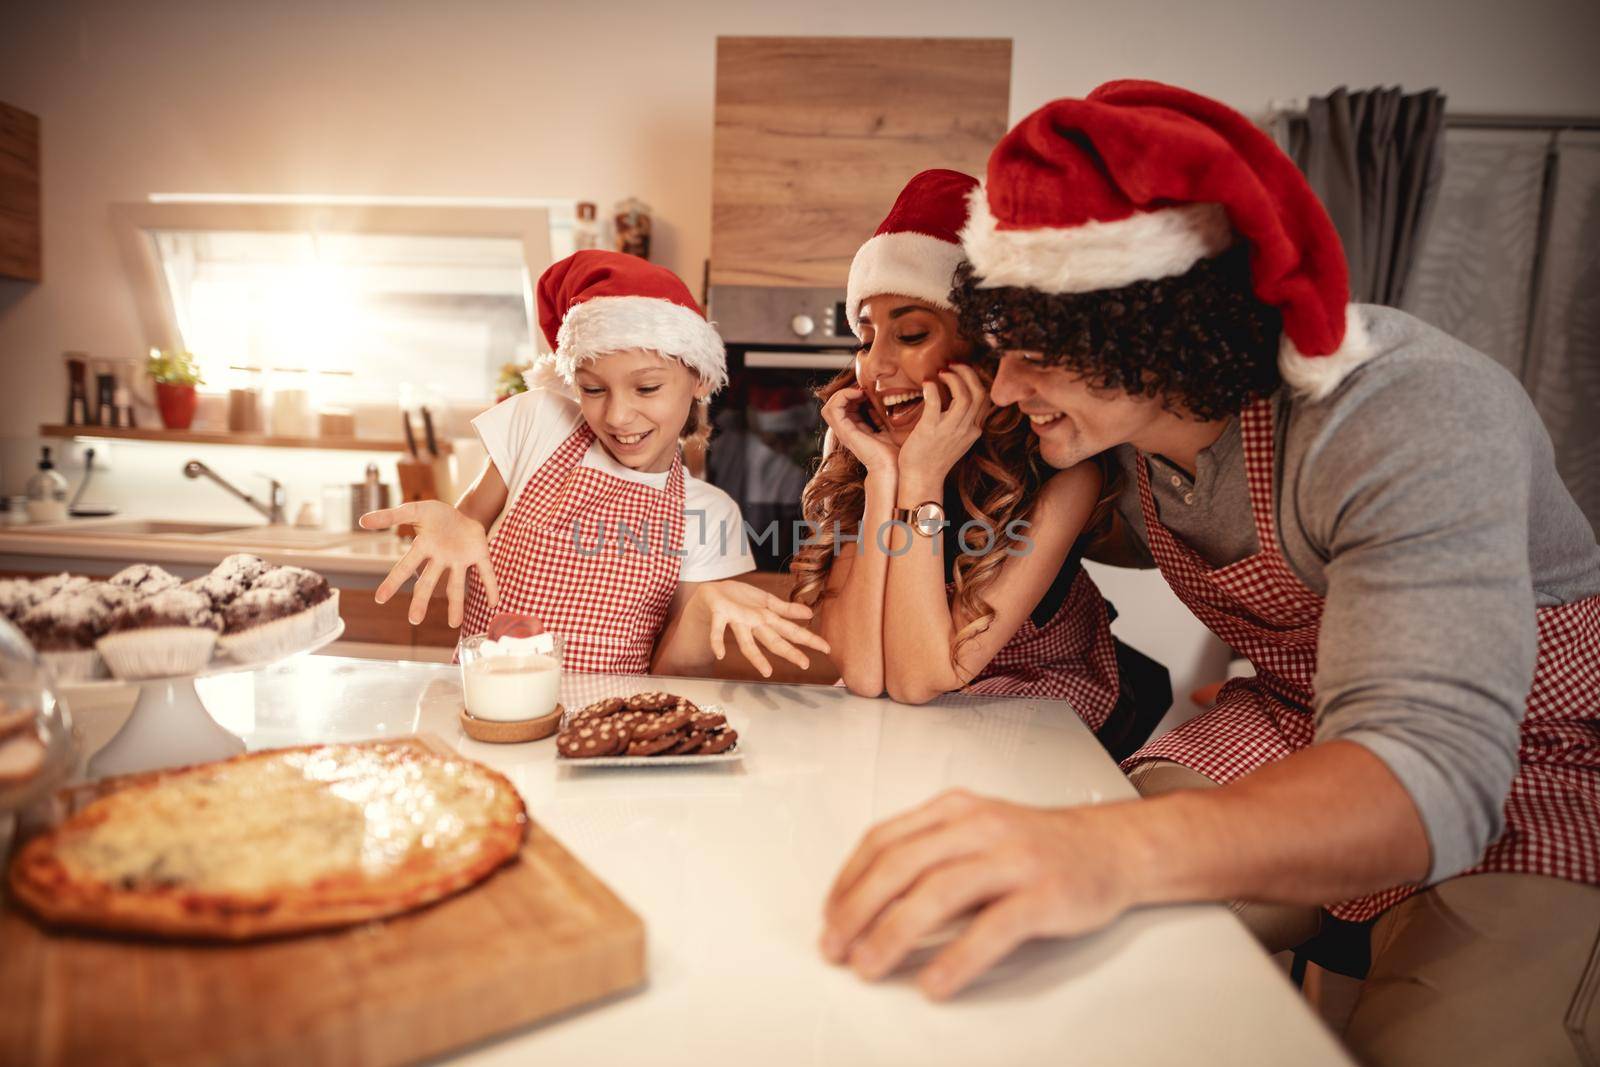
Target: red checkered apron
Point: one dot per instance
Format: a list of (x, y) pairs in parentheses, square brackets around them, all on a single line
[(561, 554), (1070, 658), (1265, 613)]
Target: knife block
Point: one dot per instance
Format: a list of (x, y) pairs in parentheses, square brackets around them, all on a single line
[(416, 483)]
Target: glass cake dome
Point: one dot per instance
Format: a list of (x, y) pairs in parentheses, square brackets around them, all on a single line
[(37, 750)]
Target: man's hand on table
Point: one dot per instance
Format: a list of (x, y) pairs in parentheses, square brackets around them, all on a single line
[(1036, 872), (1328, 823)]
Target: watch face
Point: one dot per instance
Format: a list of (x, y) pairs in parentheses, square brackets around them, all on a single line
[(927, 519)]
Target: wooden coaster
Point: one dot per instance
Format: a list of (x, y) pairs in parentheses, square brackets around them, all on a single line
[(507, 733)]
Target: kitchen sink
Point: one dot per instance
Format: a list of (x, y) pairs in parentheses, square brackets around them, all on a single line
[(280, 536), (141, 528), (259, 536)]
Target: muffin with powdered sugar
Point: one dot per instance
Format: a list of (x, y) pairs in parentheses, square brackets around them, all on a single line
[(284, 609), (169, 633), (145, 579), (64, 627), (19, 595), (229, 579)]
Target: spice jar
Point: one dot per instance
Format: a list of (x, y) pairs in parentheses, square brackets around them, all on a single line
[(244, 400), (586, 230), (633, 228), (291, 403)]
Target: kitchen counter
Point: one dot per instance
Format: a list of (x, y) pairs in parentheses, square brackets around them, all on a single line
[(87, 544), (728, 866)]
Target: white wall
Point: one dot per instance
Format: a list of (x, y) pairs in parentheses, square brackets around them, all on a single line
[(603, 101), (600, 101)]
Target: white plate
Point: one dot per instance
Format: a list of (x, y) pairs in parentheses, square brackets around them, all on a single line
[(733, 755), (220, 664)]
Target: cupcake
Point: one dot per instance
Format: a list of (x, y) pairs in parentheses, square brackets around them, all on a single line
[(64, 627), (16, 597), (19, 595), (229, 579), (169, 633), (284, 609), (242, 566), (144, 579)]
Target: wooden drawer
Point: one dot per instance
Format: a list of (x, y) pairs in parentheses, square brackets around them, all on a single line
[(366, 620)]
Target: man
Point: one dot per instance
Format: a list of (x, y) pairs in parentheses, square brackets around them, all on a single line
[(1361, 506)]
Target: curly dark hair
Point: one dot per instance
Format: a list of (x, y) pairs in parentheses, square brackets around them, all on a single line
[(1201, 339)]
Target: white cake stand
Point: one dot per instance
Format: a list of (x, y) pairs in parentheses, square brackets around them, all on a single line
[(169, 726)]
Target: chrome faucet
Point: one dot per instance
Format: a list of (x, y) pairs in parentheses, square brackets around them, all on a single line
[(273, 510)]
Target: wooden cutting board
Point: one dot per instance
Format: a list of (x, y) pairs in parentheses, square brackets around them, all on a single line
[(541, 936)]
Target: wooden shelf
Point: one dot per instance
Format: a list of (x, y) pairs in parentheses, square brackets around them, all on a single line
[(223, 437)]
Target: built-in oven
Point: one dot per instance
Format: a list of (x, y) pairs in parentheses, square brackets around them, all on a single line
[(783, 343)]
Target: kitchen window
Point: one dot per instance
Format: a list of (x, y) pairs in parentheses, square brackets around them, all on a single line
[(367, 303)]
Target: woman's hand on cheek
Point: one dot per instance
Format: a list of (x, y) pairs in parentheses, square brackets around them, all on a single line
[(447, 542), (943, 435), (875, 450)]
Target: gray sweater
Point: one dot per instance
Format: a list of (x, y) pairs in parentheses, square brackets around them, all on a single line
[(1422, 500)]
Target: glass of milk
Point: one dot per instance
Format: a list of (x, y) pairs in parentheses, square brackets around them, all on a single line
[(511, 679)]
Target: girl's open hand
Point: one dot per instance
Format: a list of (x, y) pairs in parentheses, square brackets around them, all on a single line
[(447, 542), (758, 618)]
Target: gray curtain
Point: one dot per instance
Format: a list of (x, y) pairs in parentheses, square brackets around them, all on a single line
[(1562, 368), (1373, 157), (1473, 277), (1511, 266)]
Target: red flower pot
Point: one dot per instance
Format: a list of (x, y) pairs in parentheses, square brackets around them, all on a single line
[(177, 404)]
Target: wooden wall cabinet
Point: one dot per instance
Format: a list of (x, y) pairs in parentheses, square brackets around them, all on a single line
[(21, 241), (815, 136)]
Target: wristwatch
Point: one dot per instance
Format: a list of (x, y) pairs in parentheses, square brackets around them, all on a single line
[(926, 518)]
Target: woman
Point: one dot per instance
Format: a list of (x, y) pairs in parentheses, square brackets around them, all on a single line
[(996, 601)]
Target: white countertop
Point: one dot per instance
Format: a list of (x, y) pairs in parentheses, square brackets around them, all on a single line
[(82, 544), (728, 865)]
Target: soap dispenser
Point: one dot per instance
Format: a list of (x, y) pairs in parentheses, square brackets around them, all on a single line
[(47, 493)]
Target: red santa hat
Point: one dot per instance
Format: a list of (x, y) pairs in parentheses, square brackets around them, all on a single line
[(596, 302), (1142, 180), (917, 247)]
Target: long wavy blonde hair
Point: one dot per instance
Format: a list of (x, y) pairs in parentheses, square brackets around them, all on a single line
[(999, 480)]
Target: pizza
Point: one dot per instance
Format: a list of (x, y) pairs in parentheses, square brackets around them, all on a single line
[(275, 842)]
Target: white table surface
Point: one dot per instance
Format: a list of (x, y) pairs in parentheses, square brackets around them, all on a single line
[(728, 865)]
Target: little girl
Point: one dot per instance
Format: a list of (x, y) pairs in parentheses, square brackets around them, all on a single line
[(597, 529)]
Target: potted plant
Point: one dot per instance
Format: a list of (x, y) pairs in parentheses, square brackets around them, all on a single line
[(175, 374), (512, 380)]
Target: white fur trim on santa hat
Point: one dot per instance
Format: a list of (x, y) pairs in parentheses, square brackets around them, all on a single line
[(1094, 255), (543, 375), (906, 264), (1315, 377), (605, 324)]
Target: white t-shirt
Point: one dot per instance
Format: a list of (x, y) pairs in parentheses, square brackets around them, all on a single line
[(520, 434)]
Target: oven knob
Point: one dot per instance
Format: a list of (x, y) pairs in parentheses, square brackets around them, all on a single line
[(802, 325)]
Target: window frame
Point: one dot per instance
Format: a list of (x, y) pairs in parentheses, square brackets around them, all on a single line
[(157, 310)]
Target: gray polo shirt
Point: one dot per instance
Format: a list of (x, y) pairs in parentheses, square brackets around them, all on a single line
[(1422, 501)]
